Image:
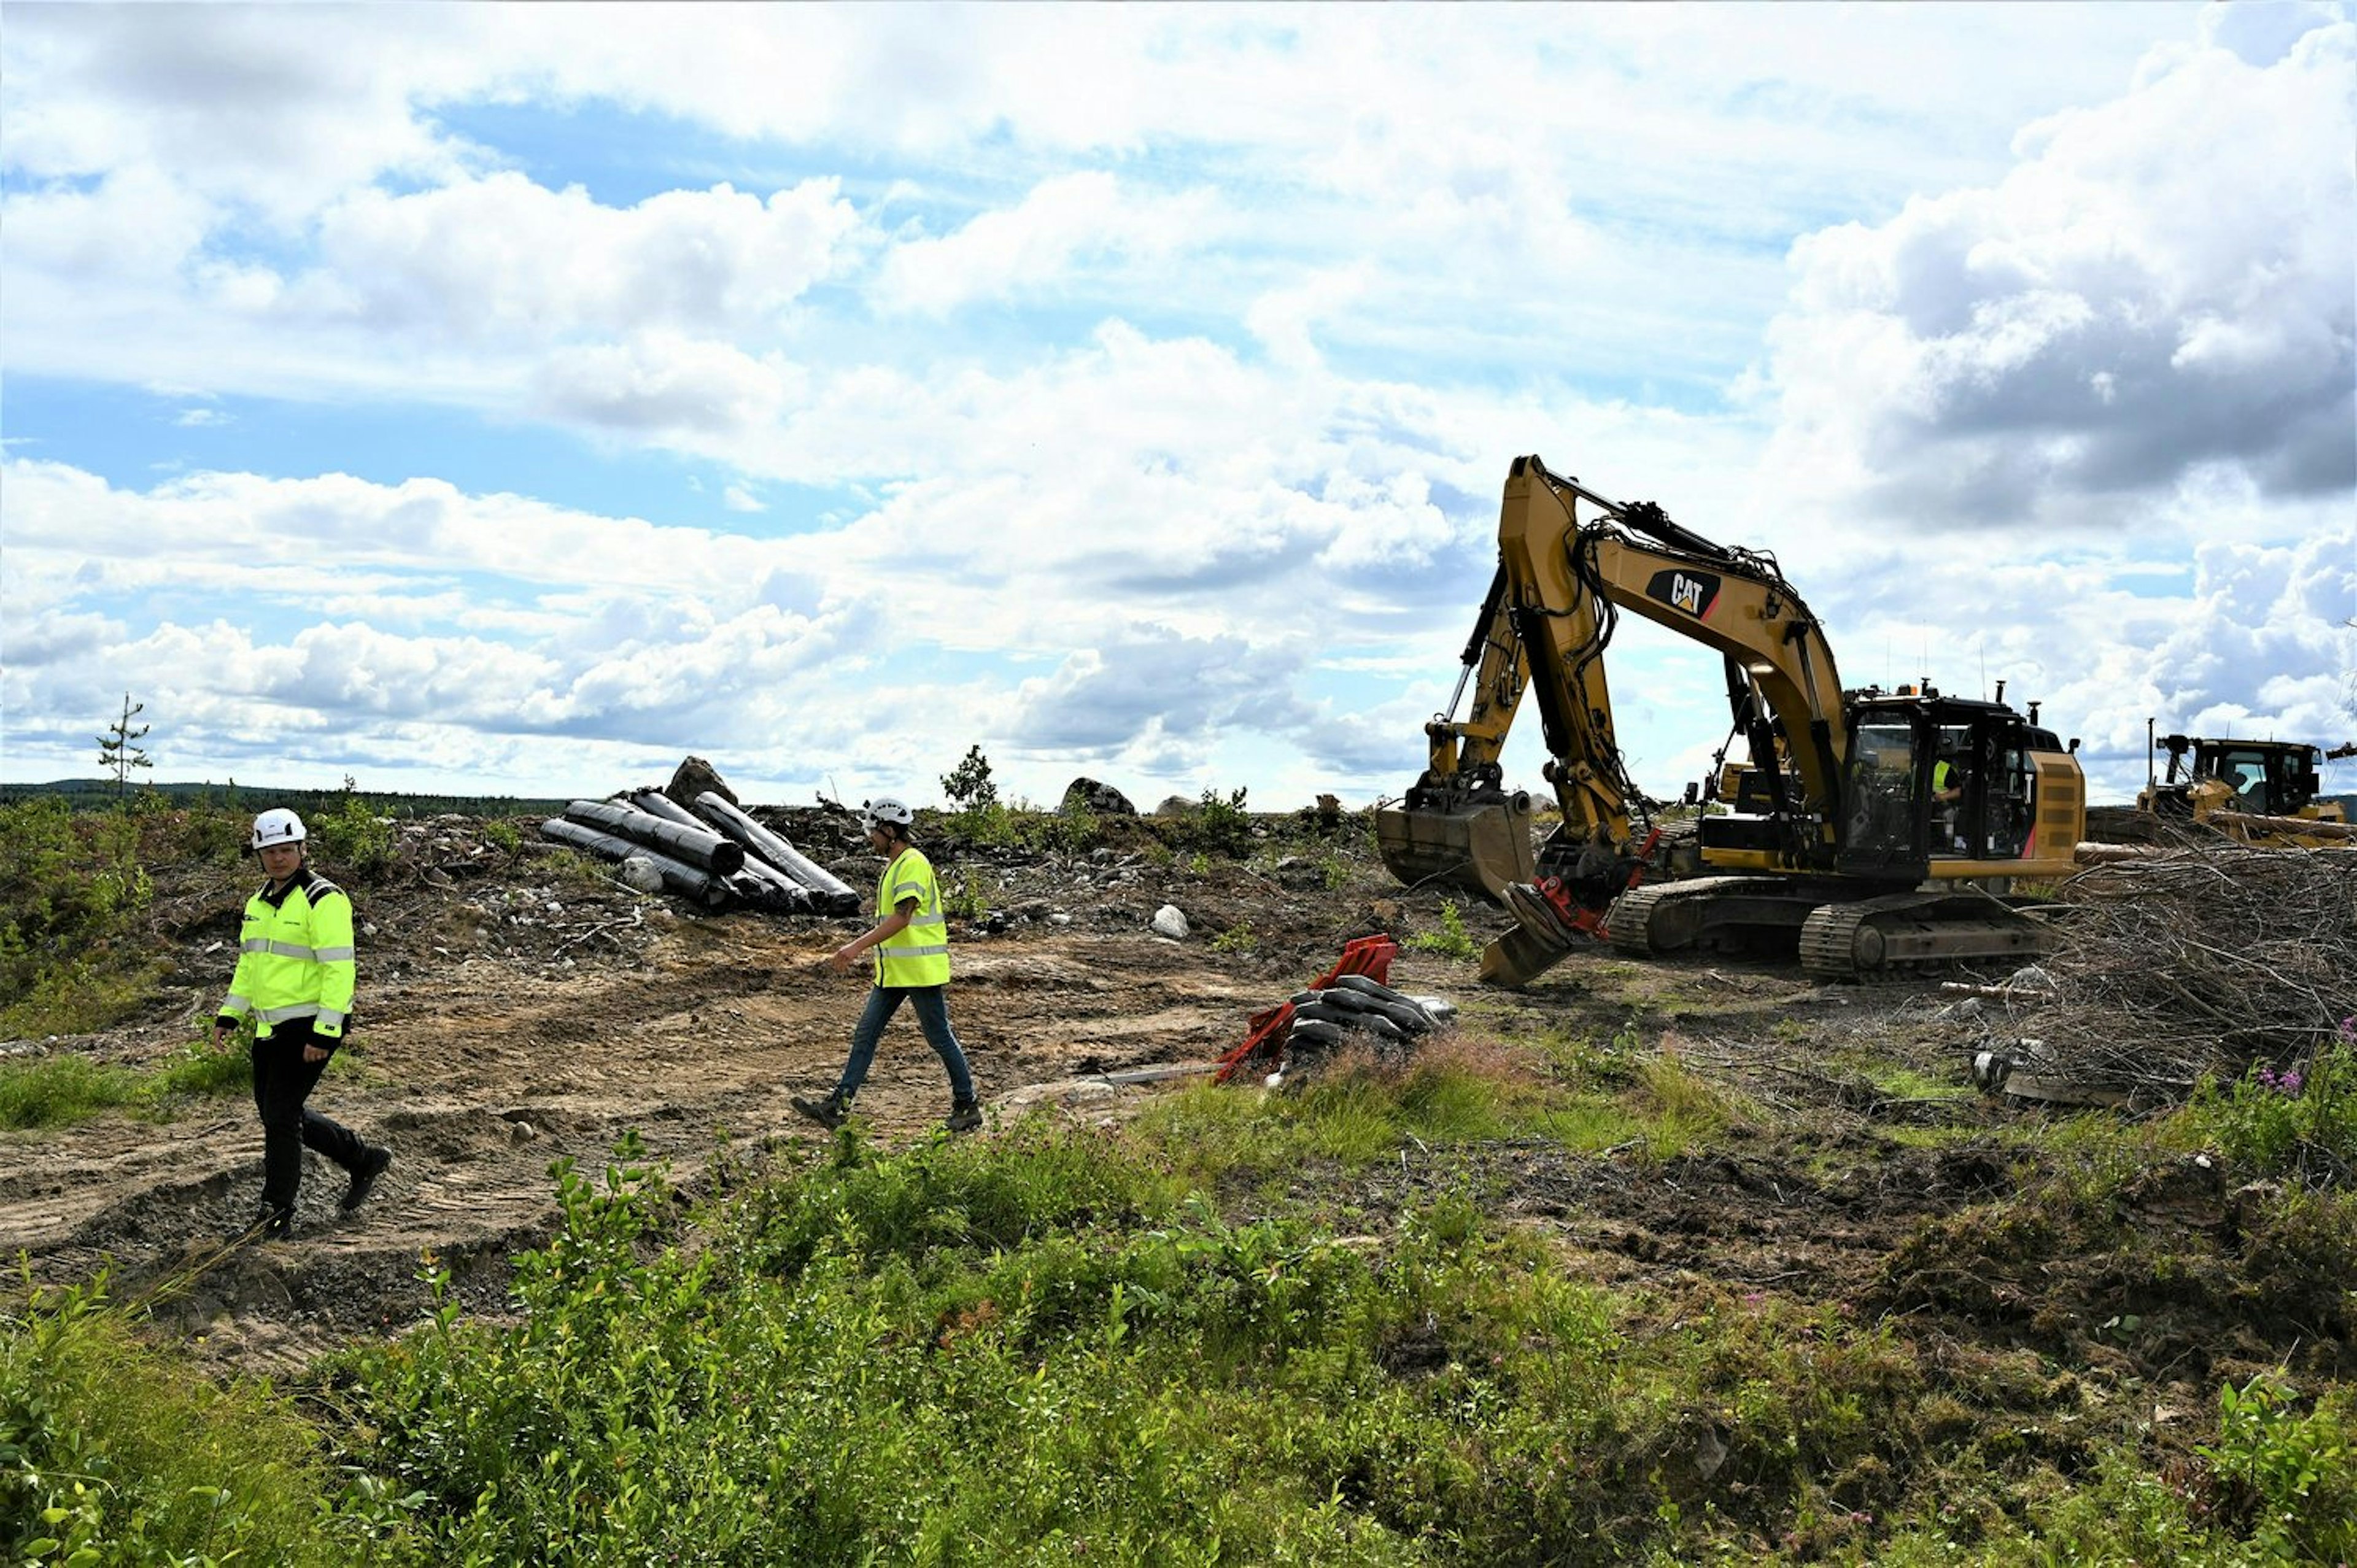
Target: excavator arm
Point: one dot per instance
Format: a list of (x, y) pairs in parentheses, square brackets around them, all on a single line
[(1541, 631), (1569, 578)]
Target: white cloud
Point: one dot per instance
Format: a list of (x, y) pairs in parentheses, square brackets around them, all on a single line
[(1160, 365), (2163, 282), (500, 258), (1064, 226)]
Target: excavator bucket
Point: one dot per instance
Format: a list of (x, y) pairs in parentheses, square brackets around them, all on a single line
[(1480, 849)]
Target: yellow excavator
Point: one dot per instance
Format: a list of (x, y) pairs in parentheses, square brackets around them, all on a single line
[(2261, 791), (1871, 830)]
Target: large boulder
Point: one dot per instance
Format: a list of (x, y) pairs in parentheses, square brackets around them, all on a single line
[(692, 777), (1091, 795)]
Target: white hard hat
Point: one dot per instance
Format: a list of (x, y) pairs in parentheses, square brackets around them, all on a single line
[(883, 811), (277, 825)]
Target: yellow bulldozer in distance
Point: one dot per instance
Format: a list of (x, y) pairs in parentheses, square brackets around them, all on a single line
[(2262, 792), (1874, 831)]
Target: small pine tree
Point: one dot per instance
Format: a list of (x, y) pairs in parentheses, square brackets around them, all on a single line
[(118, 748), (968, 784)]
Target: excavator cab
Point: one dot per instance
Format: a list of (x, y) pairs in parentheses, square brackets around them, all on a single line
[(1931, 781), (2228, 783)]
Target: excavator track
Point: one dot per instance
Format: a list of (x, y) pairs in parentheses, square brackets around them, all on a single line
[(1881, 938), (1671, 916)]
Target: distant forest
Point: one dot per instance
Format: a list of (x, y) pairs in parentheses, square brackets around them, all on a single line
[(84, 793)]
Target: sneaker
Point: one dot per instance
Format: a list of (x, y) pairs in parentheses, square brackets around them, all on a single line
[(371, 1166), (965, 1115), (831, 1113), (273, 1224)]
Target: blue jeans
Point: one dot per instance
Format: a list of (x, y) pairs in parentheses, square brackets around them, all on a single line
[(932, 1014)]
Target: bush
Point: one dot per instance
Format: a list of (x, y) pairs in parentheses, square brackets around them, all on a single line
[(113, 1453), (968, 784), (2290, 1121), (1452, 940), (350, 839), (1223, 825), (74, 890), (2289, 1478)]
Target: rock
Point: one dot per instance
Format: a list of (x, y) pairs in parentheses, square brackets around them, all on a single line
[(1174, 806), (1169, 922), (637, 872), (1060, 918), (692, 777), (1096, 796)]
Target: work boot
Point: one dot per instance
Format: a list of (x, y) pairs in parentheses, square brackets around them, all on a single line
[(831, 1113), (275, 1224), (965, 1115), (365, 1170)]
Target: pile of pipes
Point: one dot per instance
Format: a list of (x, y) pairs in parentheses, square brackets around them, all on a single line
[(1355, 1005), (715, 856)]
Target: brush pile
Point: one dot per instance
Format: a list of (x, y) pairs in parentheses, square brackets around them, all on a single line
[(2189, 961)]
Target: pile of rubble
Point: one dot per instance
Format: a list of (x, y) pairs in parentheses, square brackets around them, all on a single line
[(694, 840)]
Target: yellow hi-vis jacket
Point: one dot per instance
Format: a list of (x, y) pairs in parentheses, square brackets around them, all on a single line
[(919, 955), (295, 957)]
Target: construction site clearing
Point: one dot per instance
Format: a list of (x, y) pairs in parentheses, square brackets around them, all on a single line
[(521, 1004)]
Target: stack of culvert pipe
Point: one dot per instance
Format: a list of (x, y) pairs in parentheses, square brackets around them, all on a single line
[(678, 876), (711, 859), (829, 894), (700, 847)]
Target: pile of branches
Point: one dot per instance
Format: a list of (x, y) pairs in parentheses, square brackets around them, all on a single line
[(2190, 960)]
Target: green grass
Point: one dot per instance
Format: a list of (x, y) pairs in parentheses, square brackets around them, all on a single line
[(57, 1091), (1255, 1327), (1047, 1346)]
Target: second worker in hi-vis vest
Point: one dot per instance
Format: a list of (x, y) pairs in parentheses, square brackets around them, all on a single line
[(910, 941)]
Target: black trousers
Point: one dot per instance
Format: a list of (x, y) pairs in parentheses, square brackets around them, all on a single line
[(282, 1080)]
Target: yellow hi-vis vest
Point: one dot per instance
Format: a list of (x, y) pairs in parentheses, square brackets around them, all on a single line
[(919, 955), (295, 957)]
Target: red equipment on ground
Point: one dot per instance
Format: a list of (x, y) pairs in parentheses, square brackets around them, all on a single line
[(1264, 1031)]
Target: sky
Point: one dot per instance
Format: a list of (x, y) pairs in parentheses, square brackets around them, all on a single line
[(513, 400)]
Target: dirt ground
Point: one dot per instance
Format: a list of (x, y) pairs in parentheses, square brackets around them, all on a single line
[(515, 1012)]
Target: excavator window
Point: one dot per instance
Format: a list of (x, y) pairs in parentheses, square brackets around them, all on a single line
[(2011, 803), (1954, 781), (1883, 824)]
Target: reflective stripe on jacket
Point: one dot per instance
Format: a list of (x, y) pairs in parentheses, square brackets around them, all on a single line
[(295, 957), (920, 954)]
